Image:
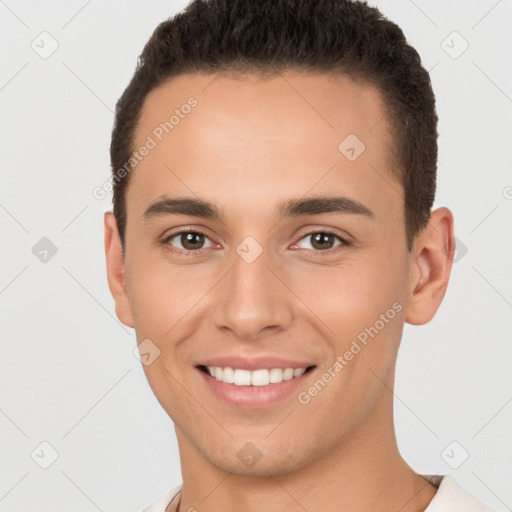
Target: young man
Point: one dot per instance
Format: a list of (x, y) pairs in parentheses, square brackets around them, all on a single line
[(274, 168)]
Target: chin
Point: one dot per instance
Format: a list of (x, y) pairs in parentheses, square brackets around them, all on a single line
[(261, 468), (249, 460)]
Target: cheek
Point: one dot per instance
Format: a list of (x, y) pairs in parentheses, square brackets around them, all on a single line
[(163, 296), (352, 293), (358, 305)]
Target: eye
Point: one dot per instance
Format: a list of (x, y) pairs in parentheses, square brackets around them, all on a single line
[(323, 241), (187, 241)]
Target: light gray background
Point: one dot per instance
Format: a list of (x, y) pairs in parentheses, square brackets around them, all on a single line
[(68, 374)]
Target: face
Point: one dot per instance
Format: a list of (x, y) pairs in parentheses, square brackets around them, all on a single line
[(287, 249)]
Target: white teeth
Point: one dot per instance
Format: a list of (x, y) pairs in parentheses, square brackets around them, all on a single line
[(298, 372), (275, 375), (241, 378), (228, 375), (261, 377), (288, 374)]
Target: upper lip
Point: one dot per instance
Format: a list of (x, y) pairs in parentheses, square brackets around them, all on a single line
[(254, 363)]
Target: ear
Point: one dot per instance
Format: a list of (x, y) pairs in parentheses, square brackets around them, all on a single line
[(116, 270), (432, 256)]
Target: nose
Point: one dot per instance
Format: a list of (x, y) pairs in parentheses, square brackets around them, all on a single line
[(253, 302)]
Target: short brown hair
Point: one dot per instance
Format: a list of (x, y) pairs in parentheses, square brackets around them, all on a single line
[(269, 36)]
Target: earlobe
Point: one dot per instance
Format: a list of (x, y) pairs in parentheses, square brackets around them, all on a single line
[(116, 270), (433, 255)]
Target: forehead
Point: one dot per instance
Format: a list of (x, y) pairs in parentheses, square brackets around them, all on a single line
[(328, 103), (250, 132)]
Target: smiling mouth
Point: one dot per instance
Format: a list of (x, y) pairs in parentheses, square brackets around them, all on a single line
[(260, 377)]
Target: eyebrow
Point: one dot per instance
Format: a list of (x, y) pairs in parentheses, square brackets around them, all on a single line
[(291, 208)]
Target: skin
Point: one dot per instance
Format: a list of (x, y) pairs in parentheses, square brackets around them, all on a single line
[(248, 145)]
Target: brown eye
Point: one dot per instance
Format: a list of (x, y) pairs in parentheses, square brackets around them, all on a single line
[(323, 241), (191, 241), (188, 241)]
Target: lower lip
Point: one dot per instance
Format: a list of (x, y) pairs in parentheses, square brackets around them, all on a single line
[(254, 397)]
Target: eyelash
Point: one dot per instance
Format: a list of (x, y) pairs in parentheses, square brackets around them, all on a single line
[(344, 243)]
